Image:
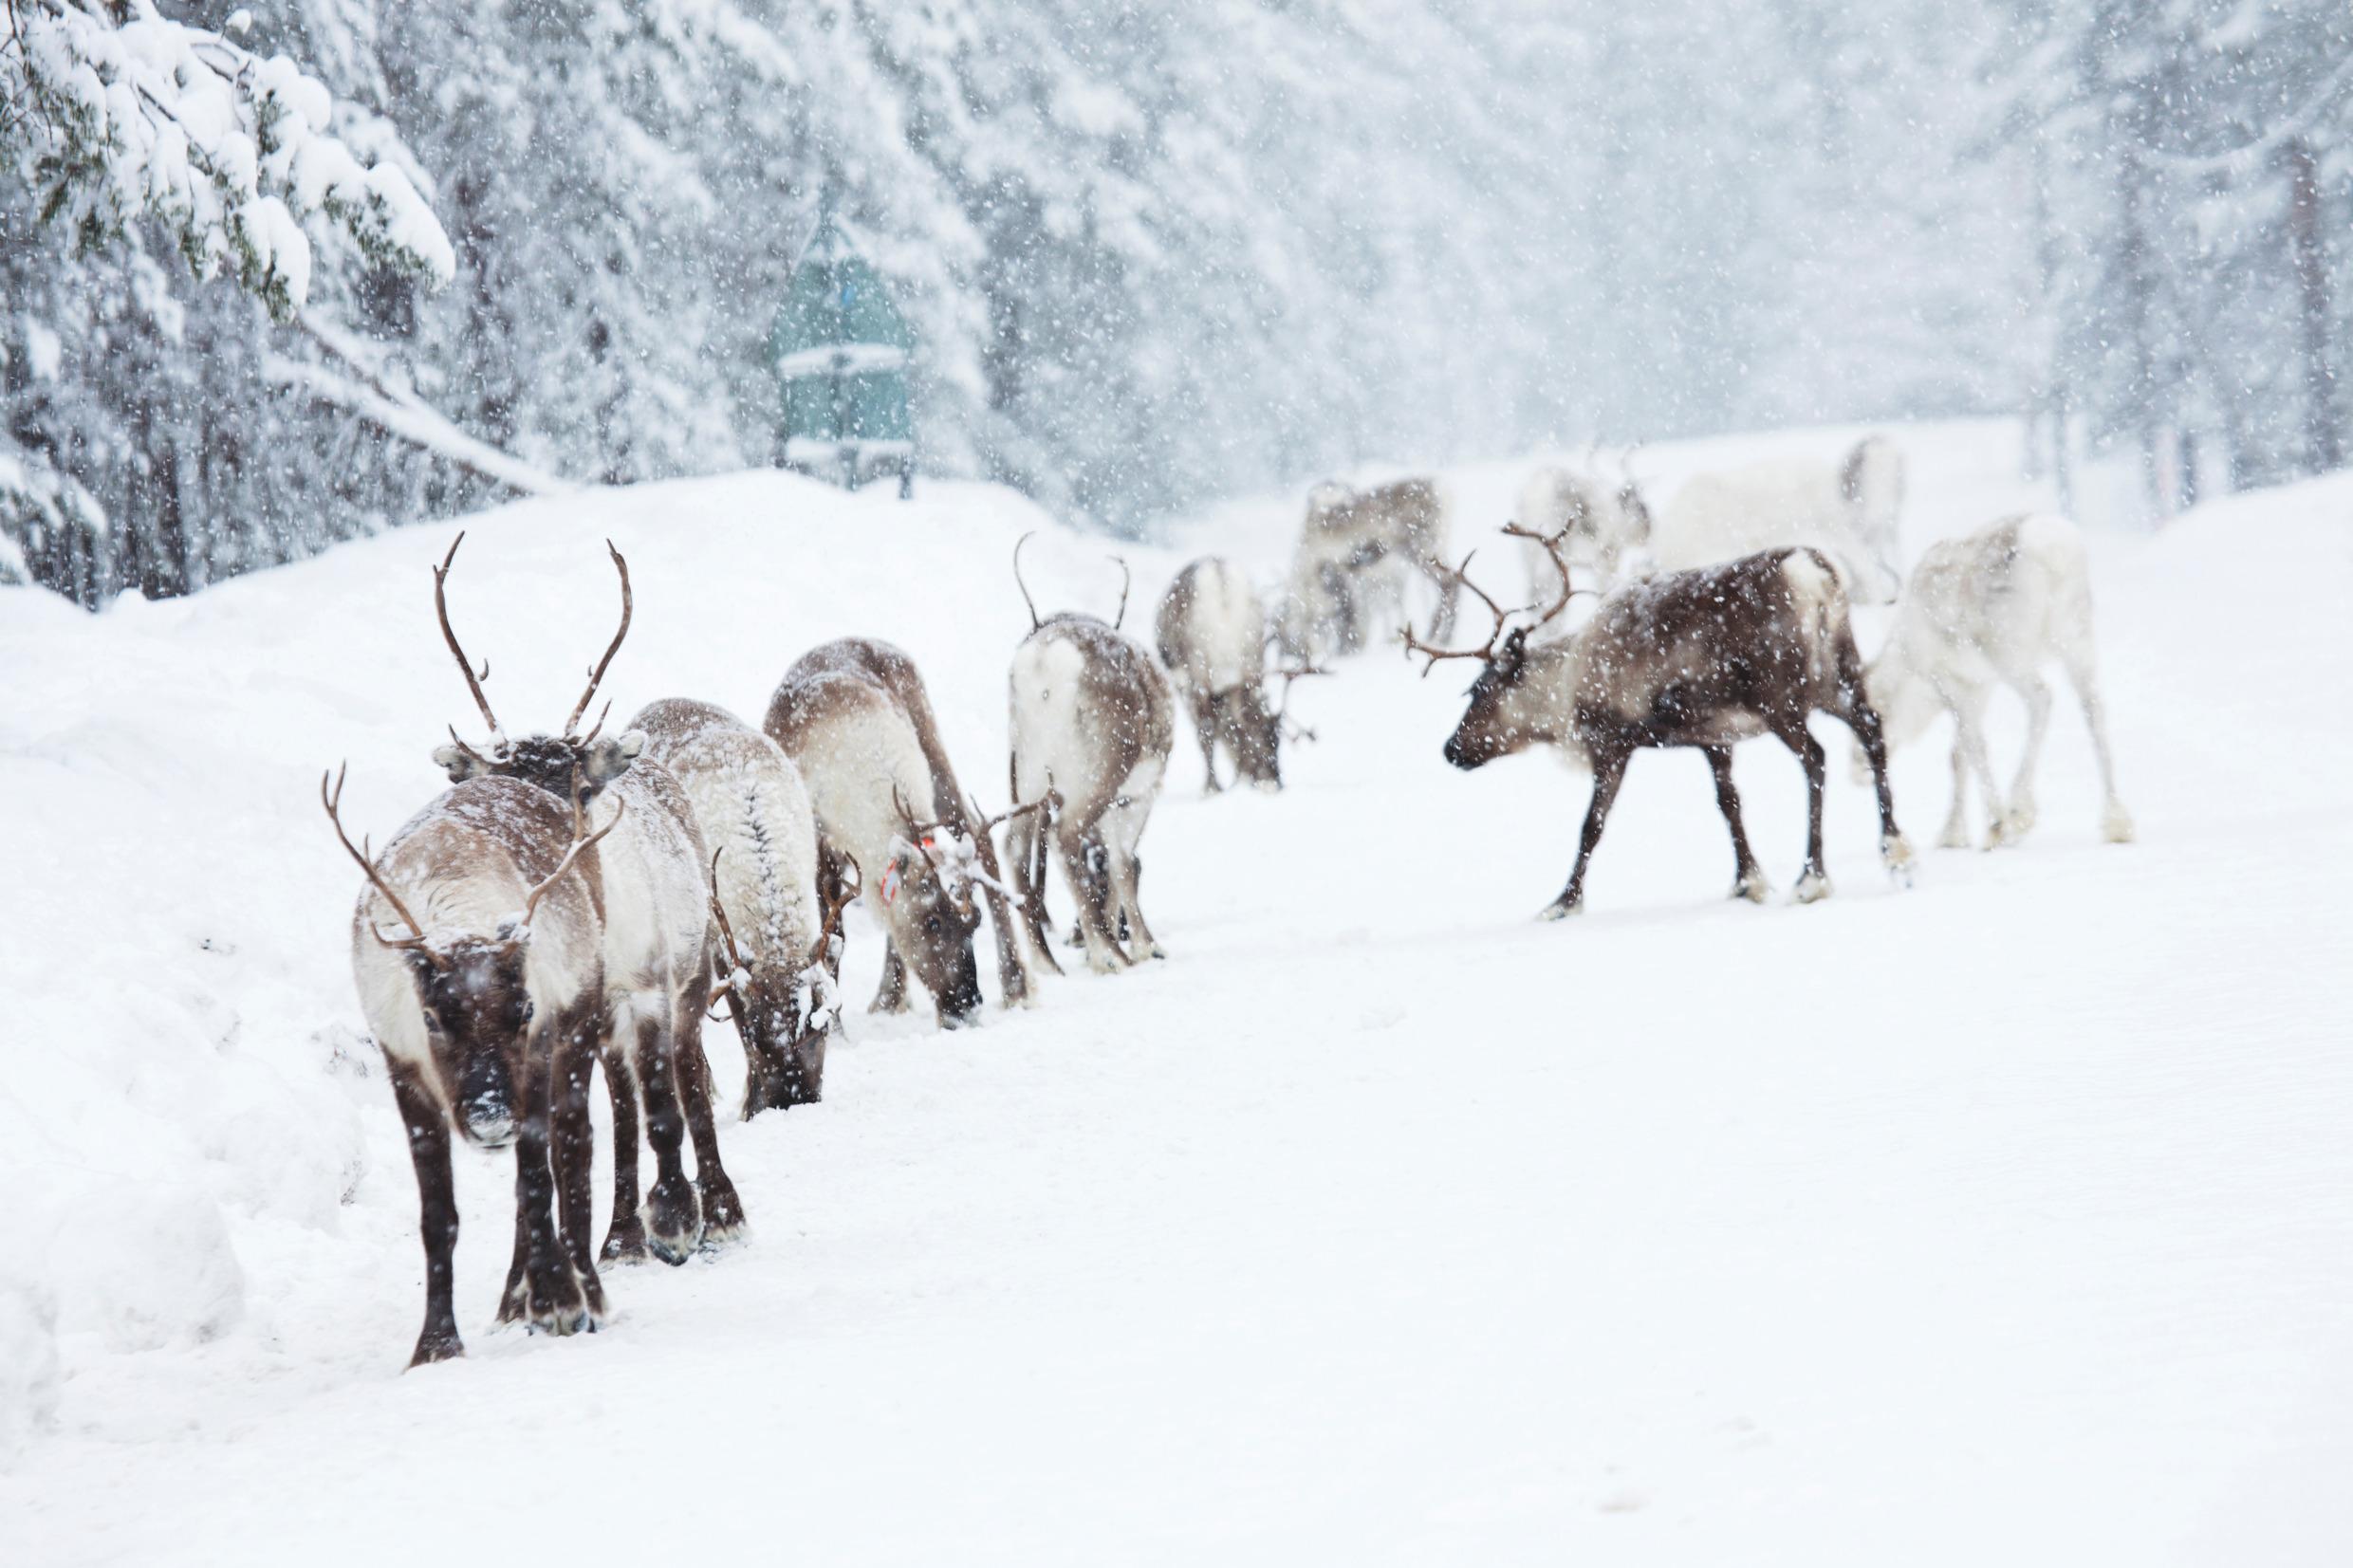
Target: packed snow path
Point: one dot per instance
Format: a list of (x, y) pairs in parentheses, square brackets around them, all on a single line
[(2008, 1219)]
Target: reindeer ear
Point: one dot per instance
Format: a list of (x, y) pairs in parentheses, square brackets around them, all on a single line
[(456, 763), (609, 759)]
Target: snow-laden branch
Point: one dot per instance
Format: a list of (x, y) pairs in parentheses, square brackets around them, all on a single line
[(150, 118), (362, 388)]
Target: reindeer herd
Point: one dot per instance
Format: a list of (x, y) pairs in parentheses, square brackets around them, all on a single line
[(577, 902)]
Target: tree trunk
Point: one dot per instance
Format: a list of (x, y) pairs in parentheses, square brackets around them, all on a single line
[(2323, 431)]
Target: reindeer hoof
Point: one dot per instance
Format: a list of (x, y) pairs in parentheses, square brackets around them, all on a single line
[(559, 1306), (1105, 963), (624, 1243), (1560, 911), (677, 1227), (1811, 888), (2117, 826), (436, 1344), (723, 1214), (1955, 835), (1753, 887)]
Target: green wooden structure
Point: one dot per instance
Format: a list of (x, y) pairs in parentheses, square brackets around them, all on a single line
[(842, 352)]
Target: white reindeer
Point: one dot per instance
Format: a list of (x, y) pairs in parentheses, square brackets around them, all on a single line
[(1993, 608), (1847, 511), (1603, 526)]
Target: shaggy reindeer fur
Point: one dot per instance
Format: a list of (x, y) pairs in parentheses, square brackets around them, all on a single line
[(754, 813)]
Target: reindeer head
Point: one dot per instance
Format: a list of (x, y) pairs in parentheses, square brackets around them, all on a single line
[(927, 892), (1499, 720), (570, 767), (472, 988), (784, 1018), (1871, 485)]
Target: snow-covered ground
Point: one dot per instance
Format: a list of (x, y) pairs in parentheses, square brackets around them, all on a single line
[(2009, 1219)]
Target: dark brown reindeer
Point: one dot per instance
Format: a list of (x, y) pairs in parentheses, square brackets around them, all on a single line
[(855, 719), (656, 920), (1092, 726), (489, 1022), (1702, 658)]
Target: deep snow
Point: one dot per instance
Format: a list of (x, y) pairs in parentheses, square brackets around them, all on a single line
[(2008, 1219)]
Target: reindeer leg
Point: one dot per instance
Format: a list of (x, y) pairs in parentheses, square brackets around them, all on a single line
[(1747, 876), (1024, 845), (2116, 824), (1102, 953), (1205, 725), (1854, 710), (436, 1210), (575, 1158), (1609, 771), (624, 1236), (1969, 738), (723, 1212), (1813, 883), (891, 996), (554, 1301), (674, 1221), (2018, 819), (1127, 876), (1955, 834)]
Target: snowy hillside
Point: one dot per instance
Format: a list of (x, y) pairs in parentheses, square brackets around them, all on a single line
[(2009, 1219)]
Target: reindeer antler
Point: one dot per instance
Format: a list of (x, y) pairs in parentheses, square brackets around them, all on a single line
[(915, 830), (834, 908), (1034, 621), (596, 676), (1551, 543), (1296, 731), (990, 825), (333, 800), (1126, 580), (531, 900), (465, 665), (1486, 650)]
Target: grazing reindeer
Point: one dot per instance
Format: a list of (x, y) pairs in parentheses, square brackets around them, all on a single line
[(1849, 511), (1990, 608), (1702, 658), (657, 942), (1211, 636), (1600, 525), (854, 718), (489, 1019), (754, 813), (1354, 550), (1092, 730)]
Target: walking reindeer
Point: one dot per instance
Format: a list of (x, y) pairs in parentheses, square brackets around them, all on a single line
[(1992, 608), (1701, 658), (487, 1009), (655, 949)]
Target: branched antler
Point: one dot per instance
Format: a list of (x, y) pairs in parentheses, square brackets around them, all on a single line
[(1485, 651), (596, 676), (1551, 543), (1292, 729), (531, 900), (362, 853), (465, 665)]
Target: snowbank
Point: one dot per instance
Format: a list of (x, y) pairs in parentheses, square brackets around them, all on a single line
[(2009, 1219)]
